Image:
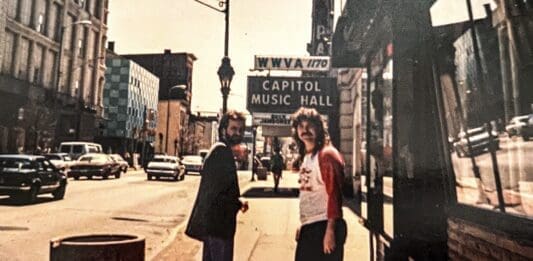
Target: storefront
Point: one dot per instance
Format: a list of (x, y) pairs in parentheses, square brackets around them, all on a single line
[(443, 171)]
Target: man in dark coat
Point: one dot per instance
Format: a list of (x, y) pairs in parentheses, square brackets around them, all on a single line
[(213, 218)]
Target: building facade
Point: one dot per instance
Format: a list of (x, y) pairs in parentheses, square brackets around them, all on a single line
[(431, 84), (130, 102), (173, 69), (43, 103)]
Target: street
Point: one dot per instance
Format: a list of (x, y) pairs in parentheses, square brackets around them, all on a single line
[(129, 205)]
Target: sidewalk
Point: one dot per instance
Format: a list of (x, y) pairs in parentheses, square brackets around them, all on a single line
[(267, 230)]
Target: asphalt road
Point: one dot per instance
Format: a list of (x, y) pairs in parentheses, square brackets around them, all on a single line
[(129, 205)]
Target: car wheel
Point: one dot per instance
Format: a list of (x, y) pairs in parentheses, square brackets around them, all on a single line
[(31, 195), (59, 193)]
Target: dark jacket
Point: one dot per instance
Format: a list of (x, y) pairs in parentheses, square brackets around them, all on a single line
[(217, 202)]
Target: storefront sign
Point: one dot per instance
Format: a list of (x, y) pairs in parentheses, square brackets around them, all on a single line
[(287, 94), (309, 63)]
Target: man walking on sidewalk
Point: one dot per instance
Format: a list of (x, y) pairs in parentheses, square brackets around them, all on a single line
[(213, 218), (323, 231)]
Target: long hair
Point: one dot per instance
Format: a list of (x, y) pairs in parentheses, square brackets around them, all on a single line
[(224, 122), (313, 117)]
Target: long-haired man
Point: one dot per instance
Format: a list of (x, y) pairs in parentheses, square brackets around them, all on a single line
[(323, 230)]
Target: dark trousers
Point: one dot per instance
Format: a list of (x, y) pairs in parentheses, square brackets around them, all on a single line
[(310, 245), (217, 249)]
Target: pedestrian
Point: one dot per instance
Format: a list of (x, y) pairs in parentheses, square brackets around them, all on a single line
[(276, 166), (255, 166), (323, 230), (213, 217)]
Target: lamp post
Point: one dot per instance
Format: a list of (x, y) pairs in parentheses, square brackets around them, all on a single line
[(182, 87), (225, 71), (60, 57)]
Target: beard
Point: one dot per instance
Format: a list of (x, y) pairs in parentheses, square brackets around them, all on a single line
[(234, 139)]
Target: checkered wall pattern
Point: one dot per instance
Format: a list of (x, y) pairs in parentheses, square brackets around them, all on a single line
[(130, 93)]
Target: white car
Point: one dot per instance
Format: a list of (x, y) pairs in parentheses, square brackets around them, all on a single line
[(193, 163), (61, 161), (165, 166)]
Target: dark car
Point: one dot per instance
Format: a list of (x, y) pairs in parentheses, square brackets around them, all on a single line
[(23, 177), (479, 142), (95, 164), (121, 162)]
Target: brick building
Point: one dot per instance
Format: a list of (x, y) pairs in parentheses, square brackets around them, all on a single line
[(36, 111), (174, 104)]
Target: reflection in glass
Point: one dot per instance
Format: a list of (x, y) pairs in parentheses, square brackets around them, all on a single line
[(486, 88)]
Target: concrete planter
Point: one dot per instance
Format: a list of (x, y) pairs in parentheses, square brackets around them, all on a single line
[(98, 247)]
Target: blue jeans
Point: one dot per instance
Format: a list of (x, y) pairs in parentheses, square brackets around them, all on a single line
[(217, 249)]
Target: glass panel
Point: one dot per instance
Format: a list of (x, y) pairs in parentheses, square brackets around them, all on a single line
[(486, 77), (363, 148), (387, 151)]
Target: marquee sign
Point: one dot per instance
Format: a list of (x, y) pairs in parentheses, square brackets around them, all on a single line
[(286, 94), (306, 63)]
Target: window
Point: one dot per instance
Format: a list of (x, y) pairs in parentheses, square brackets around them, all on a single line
[(25, 11), (40, 23), (24, 56), (488, 117), (12, 8), (7, 65), (77, 149)]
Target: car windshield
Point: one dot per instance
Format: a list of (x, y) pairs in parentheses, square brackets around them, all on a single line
[(192, 159), (92, 158), (53, 157), (164, 160), (15, 163)]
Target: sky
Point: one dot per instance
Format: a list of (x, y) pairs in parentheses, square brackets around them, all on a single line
[(274, 27)]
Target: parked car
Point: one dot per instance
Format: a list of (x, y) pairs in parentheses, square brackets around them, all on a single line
[(193, 163), (95, 164), (61, 161), (479, 141), (265, 160), (77, 148), (165, 166), (24, 177), (521, 126), (122, 163)]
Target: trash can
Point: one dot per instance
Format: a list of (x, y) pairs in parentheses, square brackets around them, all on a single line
[(113, 247), (261, 173)]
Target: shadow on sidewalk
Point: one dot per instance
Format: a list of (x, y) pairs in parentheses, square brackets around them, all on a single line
[(268, 192)]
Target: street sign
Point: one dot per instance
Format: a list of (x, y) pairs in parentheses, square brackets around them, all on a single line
[(287, 94), (287, 63)]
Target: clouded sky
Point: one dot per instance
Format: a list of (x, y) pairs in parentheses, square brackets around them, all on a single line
[(273, 27)]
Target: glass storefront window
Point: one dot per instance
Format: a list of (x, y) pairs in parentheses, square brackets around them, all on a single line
[(486, 74)]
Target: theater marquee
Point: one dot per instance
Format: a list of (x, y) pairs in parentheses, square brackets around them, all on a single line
[(287, 94)]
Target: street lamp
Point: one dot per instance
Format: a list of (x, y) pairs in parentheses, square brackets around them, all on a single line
[(225, 75), (225, 71), (181, 87)]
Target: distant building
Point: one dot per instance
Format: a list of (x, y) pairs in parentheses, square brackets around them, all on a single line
[(36, 111), (172, 69), (130, 102)]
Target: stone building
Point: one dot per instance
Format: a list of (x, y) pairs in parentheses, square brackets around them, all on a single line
[(42, 106), (174, 106), (130, 102)]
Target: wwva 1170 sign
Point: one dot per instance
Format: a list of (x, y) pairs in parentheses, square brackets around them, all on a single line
[(287, 94)]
